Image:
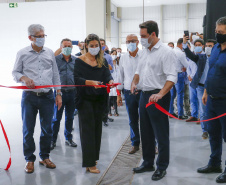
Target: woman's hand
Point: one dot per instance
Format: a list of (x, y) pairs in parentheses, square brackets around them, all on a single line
[(94, 83)]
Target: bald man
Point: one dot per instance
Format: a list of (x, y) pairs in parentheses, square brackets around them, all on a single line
[(127, 67)]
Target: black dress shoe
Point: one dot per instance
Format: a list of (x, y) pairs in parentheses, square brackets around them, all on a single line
[(158, 174), (143, 168), (210, 169), (221, 178), (183, 117), (175, 115), (106, 124), (52, 145)]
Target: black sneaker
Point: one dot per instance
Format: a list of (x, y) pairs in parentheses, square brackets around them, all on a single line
[(183, 117), (70, 143), (106, 124), (52, 145)]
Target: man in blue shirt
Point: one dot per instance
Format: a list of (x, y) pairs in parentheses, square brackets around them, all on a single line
[(215, 99), (65, 62)]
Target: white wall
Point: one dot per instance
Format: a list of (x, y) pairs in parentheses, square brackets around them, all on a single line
[(60, 19), (172, 20)]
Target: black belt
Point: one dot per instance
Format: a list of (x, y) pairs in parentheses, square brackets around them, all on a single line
[(39, 93), (201, 84), (217, 98), (152, 91), (67, 90)]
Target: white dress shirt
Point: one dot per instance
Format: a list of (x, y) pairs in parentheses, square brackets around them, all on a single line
[(157, 66), (40, 67), (181, 59), (127, 68)]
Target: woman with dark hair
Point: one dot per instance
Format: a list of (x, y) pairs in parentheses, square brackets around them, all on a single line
[(91, 69)]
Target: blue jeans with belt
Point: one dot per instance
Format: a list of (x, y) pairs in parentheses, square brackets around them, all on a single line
[(132, 107), (69, 104), (154, 125), (30, 105), (216, 128), (193, 102), (202, 108)]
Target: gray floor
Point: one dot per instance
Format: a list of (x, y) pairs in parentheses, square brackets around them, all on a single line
[(188, 152)]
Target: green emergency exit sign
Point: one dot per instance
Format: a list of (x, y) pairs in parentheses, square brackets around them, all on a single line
[(13, 5)]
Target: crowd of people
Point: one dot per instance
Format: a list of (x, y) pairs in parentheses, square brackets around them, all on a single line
[(189, 84)]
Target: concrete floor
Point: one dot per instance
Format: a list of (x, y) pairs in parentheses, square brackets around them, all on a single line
[(188, 152)]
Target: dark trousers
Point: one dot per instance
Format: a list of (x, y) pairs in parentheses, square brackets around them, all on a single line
[(69, 104), (154, 124), (216, 129), (90, 124), (105, 113), (30, 106), (113, 102), (132, 107)]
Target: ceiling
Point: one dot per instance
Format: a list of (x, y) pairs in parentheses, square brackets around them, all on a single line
[(137, 3)]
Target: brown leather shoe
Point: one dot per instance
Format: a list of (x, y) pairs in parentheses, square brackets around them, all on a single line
[(47, 163), (134, 149), (191, 119), (29, 167)]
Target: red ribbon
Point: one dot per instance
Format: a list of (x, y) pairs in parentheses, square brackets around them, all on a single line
[(167, 113), (108, 86), (7, 141)]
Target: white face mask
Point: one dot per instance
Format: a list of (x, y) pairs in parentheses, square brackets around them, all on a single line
[(40, 42), (145, 43), (208, 51), (118, 54), (94, 51)]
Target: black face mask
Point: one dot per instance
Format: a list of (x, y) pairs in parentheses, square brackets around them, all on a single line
[(220, 38)]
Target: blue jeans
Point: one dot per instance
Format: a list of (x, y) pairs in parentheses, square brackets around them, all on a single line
[(69, 104), (173, 96), (202, 108), (30, 106), (154, 125), (132, 107), (180, 94), (193, 102), (216, 129)]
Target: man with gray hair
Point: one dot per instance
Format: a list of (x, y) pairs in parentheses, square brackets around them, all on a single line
[(214, 98), (36, 66), (127, 67)]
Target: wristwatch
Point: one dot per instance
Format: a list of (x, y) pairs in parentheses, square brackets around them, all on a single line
[(59, 93)]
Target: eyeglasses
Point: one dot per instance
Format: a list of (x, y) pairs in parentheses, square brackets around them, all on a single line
[(40, 36), (131, 41)]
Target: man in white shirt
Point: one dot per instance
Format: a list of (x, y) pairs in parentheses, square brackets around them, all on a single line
[(158, 75), (127, 67), (179, 86)]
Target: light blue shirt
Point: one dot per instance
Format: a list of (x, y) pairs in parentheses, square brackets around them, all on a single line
[(109, 60), (40, 67)]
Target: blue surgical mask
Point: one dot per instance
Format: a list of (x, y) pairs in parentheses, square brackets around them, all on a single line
[(198, 49), (131, 46), (67, 51), (40, 42), (103, 47)]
